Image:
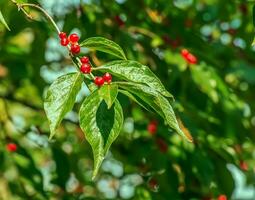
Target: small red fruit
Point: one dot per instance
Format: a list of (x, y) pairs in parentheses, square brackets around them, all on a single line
[(191, 59), (73, 38), (184, 53), (162, 145), (84, 59), (85, 68), (243, 165), (75, 48), (107, 77), (11, 147), (62, 35), (119, 21), (152, 127), (64, 42), (153, 184), (188, 23), (99, 81), (222, 197)]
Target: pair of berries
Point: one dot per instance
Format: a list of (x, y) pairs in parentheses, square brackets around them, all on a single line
[(85, 67), (11, 147), (189, 57), (106, 78), (71, 39)]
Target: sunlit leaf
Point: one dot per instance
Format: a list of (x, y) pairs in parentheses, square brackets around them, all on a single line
[(104, 45), (158, 103), (135, 72), (60, 98), (3, 21), (100, 125), (109, 93)]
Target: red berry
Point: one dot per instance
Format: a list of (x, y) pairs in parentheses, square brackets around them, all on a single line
[(107, 77), (62, 35), (119, 21), (162, 145), (64, 42), (11, 147), (85, 68), (73, 38), (153, 184), (184, 53), (75, 48), (152, 127), (84, 59), (188, 23), (191, 59), (222, 197), (243, 165), (99, 81)]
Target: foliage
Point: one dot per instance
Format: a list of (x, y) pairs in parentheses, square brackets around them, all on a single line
[(212, 99)]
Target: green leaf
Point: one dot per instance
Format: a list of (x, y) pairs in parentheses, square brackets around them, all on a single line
[(109, 93), (135, 72), (104, 45), (158, 103), (134, 98), (100, 125), (3, 21), (253, 14), (60, 98)]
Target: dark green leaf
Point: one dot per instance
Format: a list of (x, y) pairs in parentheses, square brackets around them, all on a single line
[(100, 125), (3, 21), (109, 93), (134, 98), (135, 72), (60, 98), (104, 45), (157, 102)]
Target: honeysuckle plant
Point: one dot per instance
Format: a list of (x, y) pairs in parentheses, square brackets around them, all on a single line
[(101, 115)]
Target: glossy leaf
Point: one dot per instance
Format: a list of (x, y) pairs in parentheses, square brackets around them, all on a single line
[(60, 98), (134, 98), (135, 72), (109, 93), (100, 125), (104, 45), (3, 21), (158, 103)]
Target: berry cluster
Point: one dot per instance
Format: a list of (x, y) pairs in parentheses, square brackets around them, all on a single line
[(100, 80), (85, 67), (189, 57), (72, 40)]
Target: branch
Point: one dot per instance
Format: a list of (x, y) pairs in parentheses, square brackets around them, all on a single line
[(22, 5)]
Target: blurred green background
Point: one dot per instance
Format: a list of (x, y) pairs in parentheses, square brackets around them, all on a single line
[(214, 101)]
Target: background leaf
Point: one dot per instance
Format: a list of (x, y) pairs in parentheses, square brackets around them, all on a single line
[(3, 21)]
